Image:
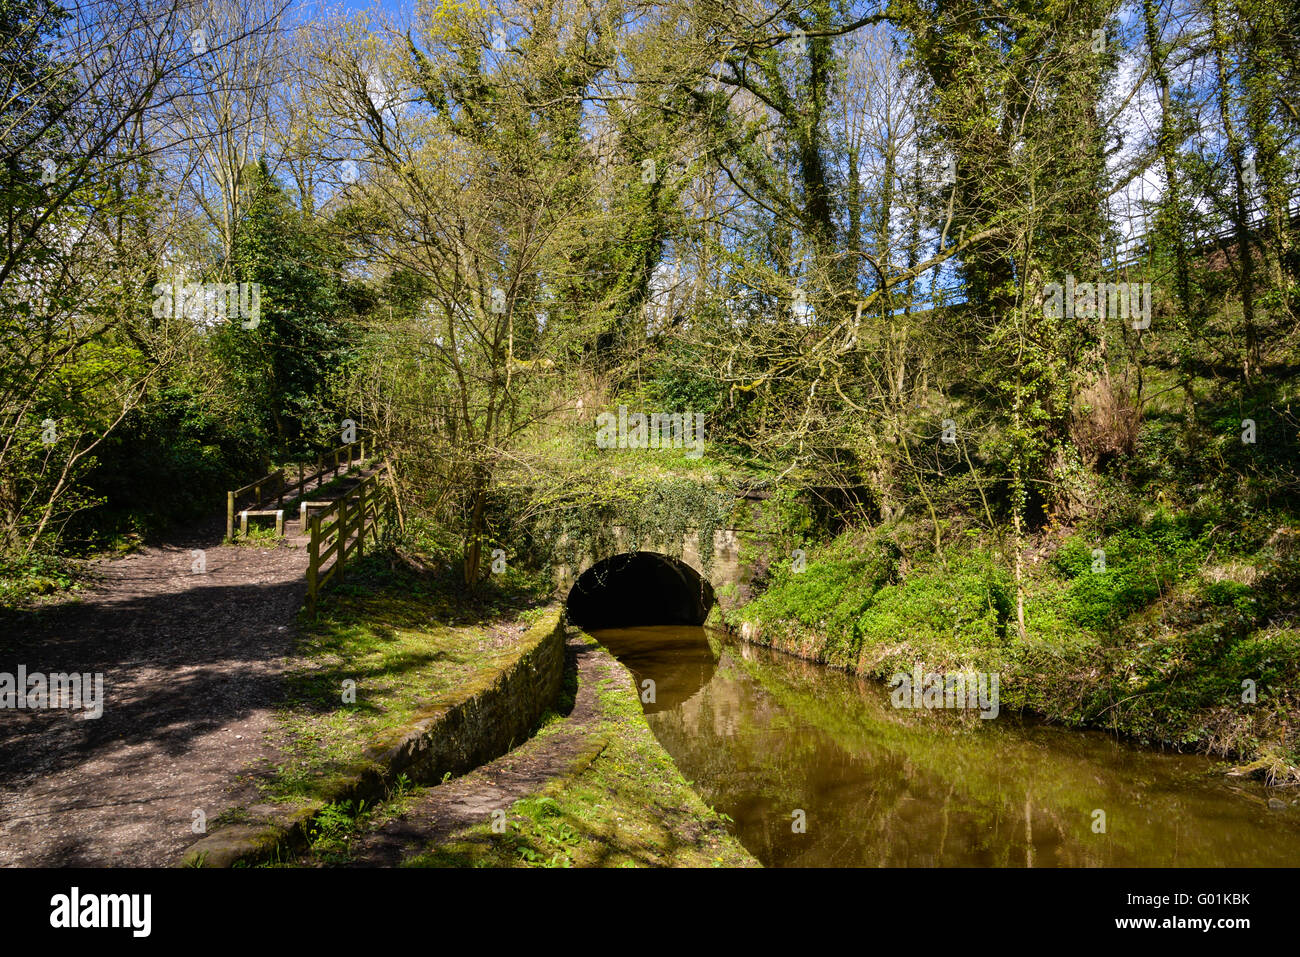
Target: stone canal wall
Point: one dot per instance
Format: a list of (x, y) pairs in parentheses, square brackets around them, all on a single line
[(452, 734)]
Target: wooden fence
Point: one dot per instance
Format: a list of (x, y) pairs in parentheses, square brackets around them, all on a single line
[(338, 534), (341, 458)]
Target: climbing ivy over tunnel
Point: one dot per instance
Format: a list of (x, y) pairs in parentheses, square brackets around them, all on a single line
[(656, 515)]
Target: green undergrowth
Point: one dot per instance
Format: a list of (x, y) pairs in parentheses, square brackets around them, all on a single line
[(261, 533), (26, 579), (623, 803), (1155, 628)]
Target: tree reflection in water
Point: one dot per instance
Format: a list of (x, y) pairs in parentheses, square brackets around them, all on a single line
[(762, 735)]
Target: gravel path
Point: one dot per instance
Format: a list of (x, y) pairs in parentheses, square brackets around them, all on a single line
[(192, 666)]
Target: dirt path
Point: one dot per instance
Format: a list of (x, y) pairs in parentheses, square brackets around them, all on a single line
[(192, 666), (471, 799)]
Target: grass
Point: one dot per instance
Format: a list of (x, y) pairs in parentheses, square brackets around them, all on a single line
[(388, 641), (259, 535)]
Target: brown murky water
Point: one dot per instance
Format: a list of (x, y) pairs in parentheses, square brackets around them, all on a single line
[(763, 736)]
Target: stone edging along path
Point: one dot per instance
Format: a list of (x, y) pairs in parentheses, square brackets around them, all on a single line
[(452, 734), (601, 770)]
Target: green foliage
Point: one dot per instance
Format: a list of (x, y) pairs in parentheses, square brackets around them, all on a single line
[(550, 836), (283, 367), (167, 458), (965, 605), (1140, 565), (1156, 646), (853, 596), (683, 381), (37, 573), (832, 592), (334, 824)]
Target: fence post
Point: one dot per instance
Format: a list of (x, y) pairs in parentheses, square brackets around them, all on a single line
[(341, 530), (313, 564), (361, 520), (230, 516)]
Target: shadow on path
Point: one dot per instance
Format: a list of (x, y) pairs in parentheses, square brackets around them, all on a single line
[(191, 664)]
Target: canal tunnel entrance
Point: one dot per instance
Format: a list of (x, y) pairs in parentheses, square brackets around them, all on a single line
[(639, 588)]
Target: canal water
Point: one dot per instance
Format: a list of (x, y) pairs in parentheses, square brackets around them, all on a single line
[(817, 768)]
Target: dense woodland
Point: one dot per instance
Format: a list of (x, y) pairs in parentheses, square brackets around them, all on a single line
[(839, 231)]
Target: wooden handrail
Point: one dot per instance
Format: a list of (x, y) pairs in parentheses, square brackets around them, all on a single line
[(359, 511), (339, 460)]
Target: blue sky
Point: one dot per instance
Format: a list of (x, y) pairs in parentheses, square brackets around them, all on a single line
[(355, 6)]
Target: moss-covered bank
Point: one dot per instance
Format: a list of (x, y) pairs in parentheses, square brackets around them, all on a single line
[(1162, 630)]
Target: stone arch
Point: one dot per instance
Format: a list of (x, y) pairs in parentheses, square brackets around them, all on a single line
[(639, 588)]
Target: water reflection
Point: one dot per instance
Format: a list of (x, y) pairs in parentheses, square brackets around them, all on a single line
[(764, 735)]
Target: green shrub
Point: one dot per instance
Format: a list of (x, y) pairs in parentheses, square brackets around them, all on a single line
[(1139, 565), (967, 603)]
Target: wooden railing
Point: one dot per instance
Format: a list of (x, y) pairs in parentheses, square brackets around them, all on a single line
[(1136, 248), (338, 534), (341, 458)]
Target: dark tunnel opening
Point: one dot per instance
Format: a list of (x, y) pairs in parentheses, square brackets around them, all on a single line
[(639, 588)]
